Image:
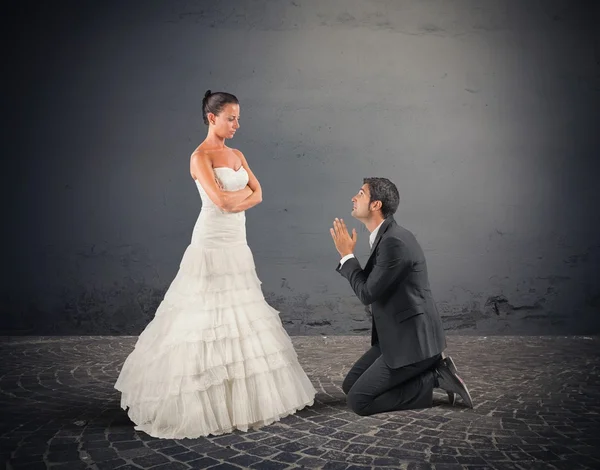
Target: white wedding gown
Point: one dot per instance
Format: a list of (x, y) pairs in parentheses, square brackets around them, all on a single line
[(216, 357)]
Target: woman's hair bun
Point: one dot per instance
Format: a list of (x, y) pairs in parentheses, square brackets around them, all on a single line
[(216, 103)]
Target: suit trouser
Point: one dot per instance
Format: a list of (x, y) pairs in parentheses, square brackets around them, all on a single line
[(372, 387)]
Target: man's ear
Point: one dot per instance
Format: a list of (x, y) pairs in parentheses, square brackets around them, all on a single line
[(376, 206)]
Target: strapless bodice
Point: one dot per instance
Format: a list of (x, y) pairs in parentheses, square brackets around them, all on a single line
[(216, 228)]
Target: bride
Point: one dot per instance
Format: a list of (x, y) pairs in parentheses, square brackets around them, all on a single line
[(215, 357)]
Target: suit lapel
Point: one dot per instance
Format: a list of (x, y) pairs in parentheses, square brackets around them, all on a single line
[(386, 224)]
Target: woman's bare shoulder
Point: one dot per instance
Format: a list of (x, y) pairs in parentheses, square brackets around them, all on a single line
[(201, 155)]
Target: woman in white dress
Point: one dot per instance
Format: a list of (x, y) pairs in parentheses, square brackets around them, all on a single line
[(215, 357)]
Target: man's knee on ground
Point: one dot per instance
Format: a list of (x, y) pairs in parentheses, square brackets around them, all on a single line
[(347, 385), (357, 404)]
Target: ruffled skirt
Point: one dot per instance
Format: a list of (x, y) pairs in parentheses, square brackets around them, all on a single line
[(216, 357)]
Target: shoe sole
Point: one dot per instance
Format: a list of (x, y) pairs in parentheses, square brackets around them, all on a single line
[(450, 363), (451, 396), (468, 402)]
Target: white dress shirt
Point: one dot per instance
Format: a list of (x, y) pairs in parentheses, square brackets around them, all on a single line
[(371, 241)]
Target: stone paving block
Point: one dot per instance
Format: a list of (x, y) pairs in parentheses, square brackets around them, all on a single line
[(171, 466), (244, 460), (110, 464), (286, 457), (269, 465), (204, 462), (314, 451)]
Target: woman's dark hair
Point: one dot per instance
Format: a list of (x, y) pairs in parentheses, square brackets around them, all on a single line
[(382, 189), (214, 102)]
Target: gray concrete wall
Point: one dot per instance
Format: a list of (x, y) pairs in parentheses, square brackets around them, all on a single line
[(484, 113)]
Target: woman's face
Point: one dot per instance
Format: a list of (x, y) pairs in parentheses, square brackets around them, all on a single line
[(227, 121)]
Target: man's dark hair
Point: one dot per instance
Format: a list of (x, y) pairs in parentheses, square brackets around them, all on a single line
[(214, 102), (382, 189)]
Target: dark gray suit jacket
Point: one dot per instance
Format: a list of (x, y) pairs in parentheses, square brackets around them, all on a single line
[(394, 282)]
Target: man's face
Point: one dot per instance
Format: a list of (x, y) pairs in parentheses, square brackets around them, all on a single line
[(360, 203)]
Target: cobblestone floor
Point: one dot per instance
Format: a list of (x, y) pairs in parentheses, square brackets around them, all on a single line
[(537, 406)]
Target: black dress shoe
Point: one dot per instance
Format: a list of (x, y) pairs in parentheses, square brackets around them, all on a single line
[(447, 379)]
